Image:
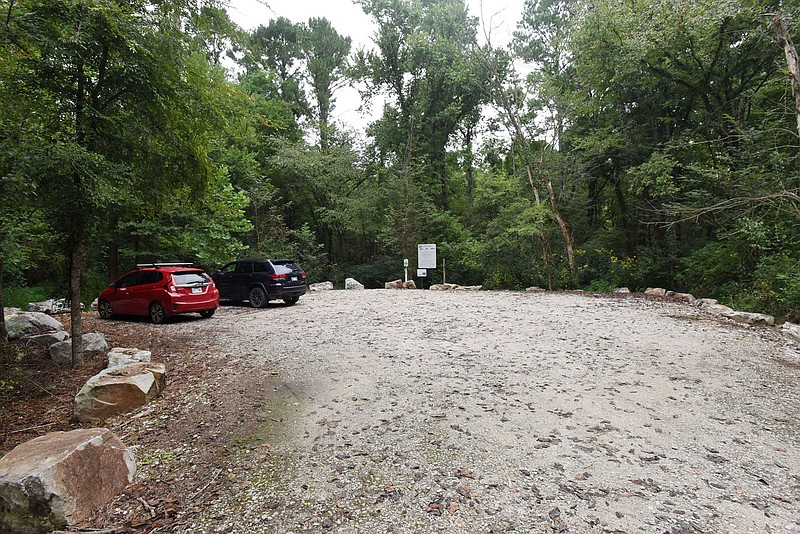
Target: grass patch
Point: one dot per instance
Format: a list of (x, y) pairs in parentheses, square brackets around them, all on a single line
[(19, 297)]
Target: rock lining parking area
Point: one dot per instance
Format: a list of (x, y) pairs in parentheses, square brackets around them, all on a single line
[(419, 411)]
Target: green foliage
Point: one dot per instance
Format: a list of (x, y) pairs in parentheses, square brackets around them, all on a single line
[(776, 287), (19, 297), (604, 266), (11, 371), (600, 286)]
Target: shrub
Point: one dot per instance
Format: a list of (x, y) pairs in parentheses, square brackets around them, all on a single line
[(600, 286), (19, 297)]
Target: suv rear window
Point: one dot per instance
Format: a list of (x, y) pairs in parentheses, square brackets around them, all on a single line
[(190, 279), (284, 267)]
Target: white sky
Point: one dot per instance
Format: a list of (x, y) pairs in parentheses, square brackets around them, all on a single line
[(501, 17)]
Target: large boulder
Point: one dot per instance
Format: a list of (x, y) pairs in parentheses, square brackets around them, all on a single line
[(719, 309), (685, 297), (119, 390), (61, 353), (444, 287), (622, 291), (655, 291), (61, 478), (534, 289), (44, 341), (322, 286), (468, 288), (791, 331), (409, 284), (50, 306), (703, 303), (22, 324), (750, 318), (122, 356), (94, 342), (352, 283), (394, 284)]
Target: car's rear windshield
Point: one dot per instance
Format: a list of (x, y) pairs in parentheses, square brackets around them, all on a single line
[(284, 267), (190, 279)]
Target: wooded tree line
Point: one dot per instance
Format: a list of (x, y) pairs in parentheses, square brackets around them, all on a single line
[(612, 144)]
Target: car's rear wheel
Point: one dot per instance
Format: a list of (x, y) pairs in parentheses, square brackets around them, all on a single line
[(258, 298), (157, 313), (291, 300), (104, 309), (207, 313)]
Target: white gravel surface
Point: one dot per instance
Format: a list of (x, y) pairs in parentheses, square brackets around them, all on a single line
[(422, 411)]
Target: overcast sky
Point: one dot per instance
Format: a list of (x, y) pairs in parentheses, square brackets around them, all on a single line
[(500, 16)]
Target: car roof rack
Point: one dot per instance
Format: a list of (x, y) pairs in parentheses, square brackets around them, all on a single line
[(142, 265)]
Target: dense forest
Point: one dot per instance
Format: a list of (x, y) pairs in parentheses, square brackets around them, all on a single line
[(613, 143)]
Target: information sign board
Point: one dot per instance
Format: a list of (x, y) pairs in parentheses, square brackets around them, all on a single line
[(426, 256)]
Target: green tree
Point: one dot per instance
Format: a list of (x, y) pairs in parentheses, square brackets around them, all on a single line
[(326, 54), (277, 47), (122, 108)]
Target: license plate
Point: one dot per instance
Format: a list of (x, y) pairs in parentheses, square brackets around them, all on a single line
[(197, 290), (294, 279)]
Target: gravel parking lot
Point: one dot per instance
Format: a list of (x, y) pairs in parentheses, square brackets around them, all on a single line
[(421, 411)]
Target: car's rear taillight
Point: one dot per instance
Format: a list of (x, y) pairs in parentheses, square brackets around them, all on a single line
[(303, 274), (278, 276)]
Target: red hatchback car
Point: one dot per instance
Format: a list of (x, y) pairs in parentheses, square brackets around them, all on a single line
[(159, 290)]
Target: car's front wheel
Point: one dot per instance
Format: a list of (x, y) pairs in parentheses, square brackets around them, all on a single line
[(104, 309), (258, 298), (207, 313), (157, 313), (291, 300)]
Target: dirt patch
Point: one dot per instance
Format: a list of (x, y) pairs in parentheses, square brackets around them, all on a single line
[(420, 411)]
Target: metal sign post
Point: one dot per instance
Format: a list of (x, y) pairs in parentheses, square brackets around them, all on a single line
[(426, 259), (422, 273), (405, 270)]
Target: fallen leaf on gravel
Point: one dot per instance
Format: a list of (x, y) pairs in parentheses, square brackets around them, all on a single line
[(453, 508), (465, 473), (559, 525), (434, 508), (782, 499), (465, 491)]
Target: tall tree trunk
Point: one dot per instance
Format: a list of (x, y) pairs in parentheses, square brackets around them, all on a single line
[(444, 196), (562, 224), (785, 42), (75, 267), (565, 234), (3, 331), (112, 270), (547, 256), (113, 260), (469, 160)]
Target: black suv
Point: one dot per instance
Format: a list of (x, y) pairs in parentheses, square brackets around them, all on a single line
[(260, 281)]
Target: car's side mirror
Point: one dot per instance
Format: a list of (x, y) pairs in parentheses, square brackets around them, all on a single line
[(218, 271)]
